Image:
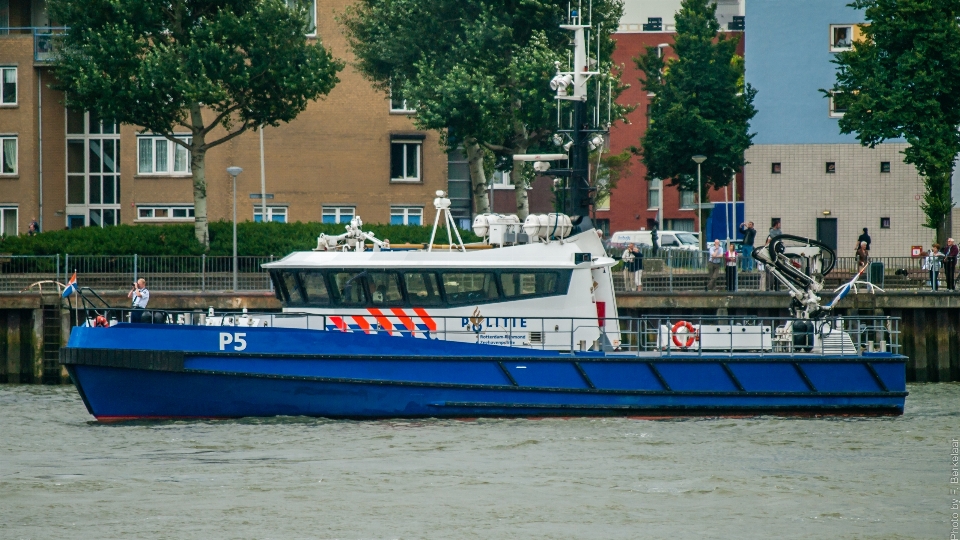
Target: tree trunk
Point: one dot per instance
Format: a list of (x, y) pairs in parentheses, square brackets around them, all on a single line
[(198, 155), (478, 180), (520, 184)]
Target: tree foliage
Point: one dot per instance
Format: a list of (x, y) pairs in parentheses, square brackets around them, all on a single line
[(700, 104), (477, 71), (191, 66), (903, 80)]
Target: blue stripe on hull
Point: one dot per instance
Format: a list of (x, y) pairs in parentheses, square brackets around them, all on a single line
[(129, 393)]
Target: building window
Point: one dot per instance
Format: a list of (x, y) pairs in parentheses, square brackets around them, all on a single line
[(8, 86), (502, 180), (678, 225), (8, 154), (274, 213), (774, 168), (841, 37), (884, 223), (164, 213), (398, 104), (406, 215), (8, 221), (688, 199), (93, 170), (831, 167), (838, 105), (405, 161), (653, 195), (157, 155), (884, 166), (338, 214), (311, 6)]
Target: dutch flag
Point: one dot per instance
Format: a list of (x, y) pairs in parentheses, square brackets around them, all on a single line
[(71, 286)]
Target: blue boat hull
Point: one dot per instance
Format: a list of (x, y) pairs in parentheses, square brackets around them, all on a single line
[(160, 371)]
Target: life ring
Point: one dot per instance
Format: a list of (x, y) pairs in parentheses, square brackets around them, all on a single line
[(691, 334), (101, 321)]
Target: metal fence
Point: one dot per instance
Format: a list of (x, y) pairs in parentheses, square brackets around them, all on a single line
[(162, 272)]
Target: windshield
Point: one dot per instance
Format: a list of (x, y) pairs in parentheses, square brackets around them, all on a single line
[(687, 238)]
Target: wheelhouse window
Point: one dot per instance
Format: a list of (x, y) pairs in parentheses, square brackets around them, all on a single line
[(315, 288), (384, 288), (470, 287), (348, 288), (8, 154), (517, 284), (8, 86), (405, 160), (291, 288), (422, 288), (338, 214)]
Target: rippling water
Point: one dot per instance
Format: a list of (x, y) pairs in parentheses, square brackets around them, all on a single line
[(64, 476)]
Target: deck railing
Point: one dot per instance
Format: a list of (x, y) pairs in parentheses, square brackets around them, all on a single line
[(652, 335)]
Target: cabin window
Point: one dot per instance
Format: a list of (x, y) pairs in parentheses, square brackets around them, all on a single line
[(470, 287), (292, 288), (316, 288), (422, 289), (528, 283), (384, 288), (347, 288)]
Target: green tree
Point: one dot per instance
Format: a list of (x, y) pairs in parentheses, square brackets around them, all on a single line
[(701, 104), (902, 80), (191, 65), (477, 71)]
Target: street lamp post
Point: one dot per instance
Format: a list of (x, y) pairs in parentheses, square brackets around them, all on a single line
[(234, 171), (699, 159)]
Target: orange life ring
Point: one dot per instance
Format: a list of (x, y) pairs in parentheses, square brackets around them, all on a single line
[(691, 333), (101, 321)]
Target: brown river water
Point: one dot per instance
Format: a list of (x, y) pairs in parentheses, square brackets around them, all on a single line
[(63, 475)]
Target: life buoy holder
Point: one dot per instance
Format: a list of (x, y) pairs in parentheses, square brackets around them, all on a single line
[(690, 331)]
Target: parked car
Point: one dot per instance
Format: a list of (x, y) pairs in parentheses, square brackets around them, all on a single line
[(667, 239)]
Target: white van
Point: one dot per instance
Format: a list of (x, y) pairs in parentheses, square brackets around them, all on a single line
[(667, 239)]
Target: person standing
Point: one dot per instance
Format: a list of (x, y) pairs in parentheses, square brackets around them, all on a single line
[(627, 259), (730, 259), (950, 263), (33, 228), (637, 266), (141, 297), (714, 260), (654, 240), (933, 262), (776, 230), (864, 238), (749, 236), (862, 256)]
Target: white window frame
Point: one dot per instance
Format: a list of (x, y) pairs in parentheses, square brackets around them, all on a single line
[(16, 221), (833, 46), (404, 107), (168, 208), (3, 154), (272, 211), (502, 180), (406, 212), (16, 86), (832, 111), (654, 186), (408, 179), (339, 212), (172, 150)]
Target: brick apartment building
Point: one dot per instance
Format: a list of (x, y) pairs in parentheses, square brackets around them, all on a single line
[(636, 203), (355, 152)]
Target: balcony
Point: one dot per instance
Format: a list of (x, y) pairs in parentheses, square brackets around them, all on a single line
[(43, 39)]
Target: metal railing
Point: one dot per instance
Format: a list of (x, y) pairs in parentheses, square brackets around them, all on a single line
[(162, 272), (43, 39), (643, 336)]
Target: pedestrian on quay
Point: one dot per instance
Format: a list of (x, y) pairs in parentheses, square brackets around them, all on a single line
[(629, 258), (654, 240), (33, 228), (864, 238), (140, 296), (749, 236), (776, 230), (730, 259), (714, 261), (933, 262), (863, 257), (950, 263), (637, 266)]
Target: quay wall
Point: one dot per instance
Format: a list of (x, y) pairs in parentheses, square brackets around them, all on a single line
[(34, 327)]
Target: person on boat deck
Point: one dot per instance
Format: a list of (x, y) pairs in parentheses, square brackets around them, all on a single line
[(140, 296), (730, 259)]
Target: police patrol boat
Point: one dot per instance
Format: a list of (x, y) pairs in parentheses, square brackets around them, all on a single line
[(524, 323)]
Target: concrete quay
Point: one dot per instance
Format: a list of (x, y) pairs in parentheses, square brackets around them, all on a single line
[(33, 327)]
